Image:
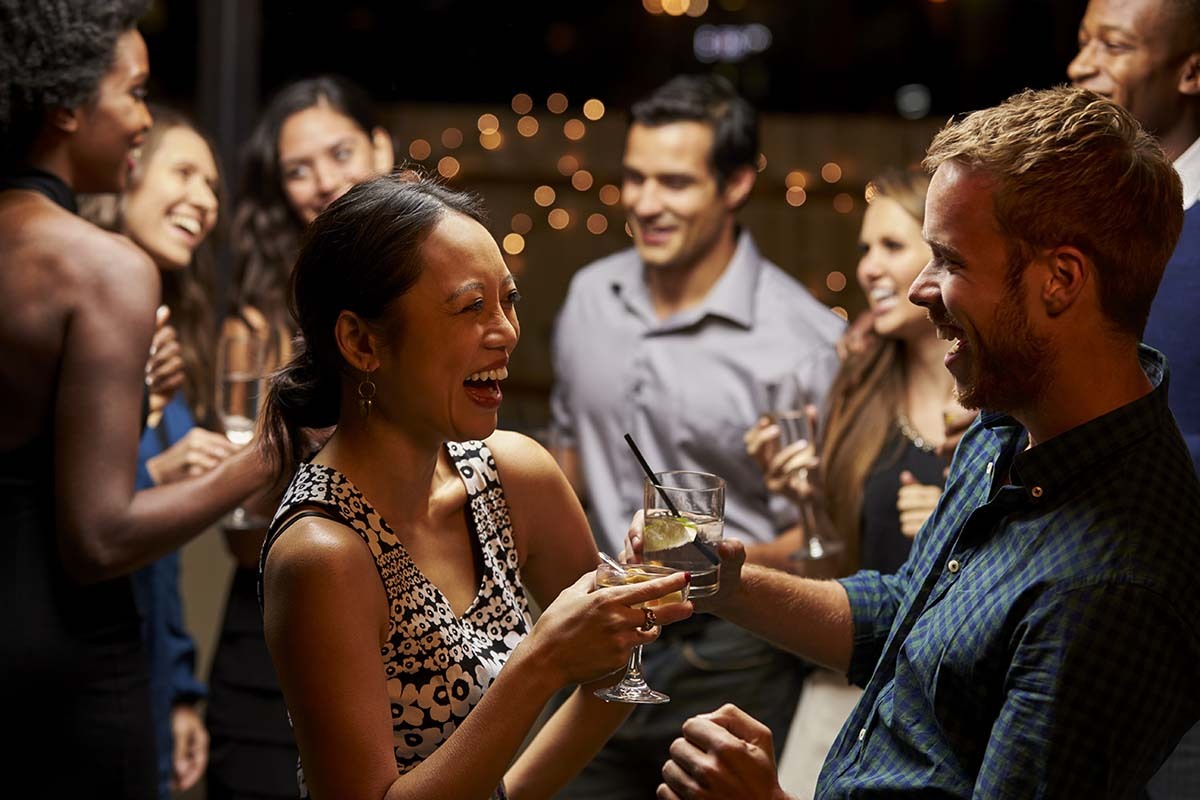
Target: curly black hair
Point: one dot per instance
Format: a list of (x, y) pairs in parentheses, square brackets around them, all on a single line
[(54, 53)]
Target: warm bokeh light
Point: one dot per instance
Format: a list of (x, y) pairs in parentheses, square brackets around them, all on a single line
[(567, 165), (514, 243), (522, 103), (597, 223), (452, 138), (870, 193), (574, 129), (544, 196), (676, 8), (628, 230), (653, 6), (697, 8), (488, 123), (593, 109), (610, 194), (831, 172), (796, 179), (558, 219), (835, 281), (761, 163), (841, 312), (522, 223), (557, 103), (796, 196), (582, 180), (527, 126), (448, 166), (419, 149), (490, 141), (843, 203)]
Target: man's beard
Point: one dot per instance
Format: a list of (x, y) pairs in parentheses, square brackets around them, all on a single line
[(1011, 371)]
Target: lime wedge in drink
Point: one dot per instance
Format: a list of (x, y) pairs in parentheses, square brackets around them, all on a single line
[(665, 533)]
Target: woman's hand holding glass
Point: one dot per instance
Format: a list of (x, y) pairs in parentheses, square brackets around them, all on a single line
[(589, 632)]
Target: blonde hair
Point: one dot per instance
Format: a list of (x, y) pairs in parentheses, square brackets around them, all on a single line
[(1072, 168), (866, 394)]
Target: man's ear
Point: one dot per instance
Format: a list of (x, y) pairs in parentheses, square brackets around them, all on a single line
[(738, 186), (65, 119), (1189, 76), (1068, 272), (357, 342), (383, 151)]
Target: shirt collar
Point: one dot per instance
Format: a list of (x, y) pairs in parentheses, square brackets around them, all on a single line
[(1049, 468), (731, 297), (1188, 167)]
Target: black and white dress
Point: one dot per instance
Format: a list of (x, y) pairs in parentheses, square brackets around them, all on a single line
[(438, 664)]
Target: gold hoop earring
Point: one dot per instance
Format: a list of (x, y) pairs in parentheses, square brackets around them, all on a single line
[(366, 396)]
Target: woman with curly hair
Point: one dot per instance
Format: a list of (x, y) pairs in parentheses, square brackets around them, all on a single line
[(169, 210), (315, 139), (77, 306)]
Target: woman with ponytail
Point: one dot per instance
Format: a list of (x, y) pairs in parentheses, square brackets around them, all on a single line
[(398, 571)]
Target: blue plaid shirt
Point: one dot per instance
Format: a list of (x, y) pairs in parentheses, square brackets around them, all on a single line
[(1043, 638)]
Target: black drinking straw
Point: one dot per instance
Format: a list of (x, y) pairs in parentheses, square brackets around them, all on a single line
[(703, 547)]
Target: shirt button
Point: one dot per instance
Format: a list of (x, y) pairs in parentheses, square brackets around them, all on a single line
[(953, 566), (988, 470), (1036, 491), (862, 734)]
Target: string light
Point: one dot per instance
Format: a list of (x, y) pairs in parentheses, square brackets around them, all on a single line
[(796, 179), (557, 103), (514, 243), (831, 172), (835, 281), (582, 180), (452, 138), (676, 8), (574, 129), (522, 223), (841, 312), (628, 230), (653, 6), (761, 163), (491, 140), (527, 127), (448, 166), (697, 8), (544, 196), (796, 196), (610, 195), (597, 223), (567, 165), (522, 103), (558, 219), (488, 123), (843, 203), (593, 109), (419, 149)]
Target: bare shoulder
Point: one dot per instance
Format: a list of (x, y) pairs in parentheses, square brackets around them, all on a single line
[(320, 550), (521, 459)]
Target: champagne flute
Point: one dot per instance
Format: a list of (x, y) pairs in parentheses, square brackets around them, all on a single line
[(633, 687), (819, 543), (240, 367)]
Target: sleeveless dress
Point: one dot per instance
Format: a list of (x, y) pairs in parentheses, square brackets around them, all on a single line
[(73, 679), (438, 664)]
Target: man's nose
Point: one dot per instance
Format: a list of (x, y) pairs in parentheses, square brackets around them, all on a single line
[(925, 289)]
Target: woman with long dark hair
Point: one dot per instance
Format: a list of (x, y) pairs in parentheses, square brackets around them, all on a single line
[(398, 572), (315, 139)]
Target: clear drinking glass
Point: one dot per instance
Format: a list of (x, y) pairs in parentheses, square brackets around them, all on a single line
[(681, 537), (633, 687), (240, 367), (820, 543)]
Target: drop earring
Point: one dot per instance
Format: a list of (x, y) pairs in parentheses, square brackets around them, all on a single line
[(366, 396)]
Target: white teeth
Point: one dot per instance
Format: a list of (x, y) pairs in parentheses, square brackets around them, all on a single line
[(189, 224), (880, 293), (489, 375)]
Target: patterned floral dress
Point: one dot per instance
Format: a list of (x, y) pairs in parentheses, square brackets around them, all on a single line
[(438, 664)]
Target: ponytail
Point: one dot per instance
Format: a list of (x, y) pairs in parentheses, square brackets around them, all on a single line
[(300, 395)]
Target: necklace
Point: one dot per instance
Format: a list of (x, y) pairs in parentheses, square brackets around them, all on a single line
[(909, 432)]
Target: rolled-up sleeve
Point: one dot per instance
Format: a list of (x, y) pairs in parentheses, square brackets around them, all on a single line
[(875, 599)]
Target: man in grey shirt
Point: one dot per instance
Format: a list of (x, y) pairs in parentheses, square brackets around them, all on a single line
[(683, 341)]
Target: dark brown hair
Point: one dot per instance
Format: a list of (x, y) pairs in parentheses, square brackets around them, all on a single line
[(359, 255)]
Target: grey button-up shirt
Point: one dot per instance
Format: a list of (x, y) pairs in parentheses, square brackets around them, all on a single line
[(687, 387)]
